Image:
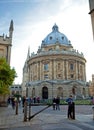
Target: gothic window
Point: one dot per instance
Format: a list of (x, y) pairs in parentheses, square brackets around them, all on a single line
[(45, 67), (71, 67)]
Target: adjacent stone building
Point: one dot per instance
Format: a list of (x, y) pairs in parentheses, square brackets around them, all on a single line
[(91, 86), (57, 69), (16, 89), (6, 43)]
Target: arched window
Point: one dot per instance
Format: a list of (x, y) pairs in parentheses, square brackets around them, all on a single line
[(71, 66), (45, 67)]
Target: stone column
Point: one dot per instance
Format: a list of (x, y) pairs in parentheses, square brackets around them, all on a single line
[(37, 71), (84, 72), (63, 75), (67, 69), (54, 68), (40, 70), (76, 71)]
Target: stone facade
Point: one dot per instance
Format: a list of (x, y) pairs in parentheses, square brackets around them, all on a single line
[(6, 43), (91, 86), (56, 70)]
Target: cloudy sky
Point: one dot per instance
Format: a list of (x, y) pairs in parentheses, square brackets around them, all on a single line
[(33, 21)]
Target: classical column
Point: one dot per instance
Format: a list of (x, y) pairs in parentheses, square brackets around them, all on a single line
[(78, 68), (76, 72), (40, 70), (37, 70), (84, 72), (67, 69), (54, 69), (63, 76)]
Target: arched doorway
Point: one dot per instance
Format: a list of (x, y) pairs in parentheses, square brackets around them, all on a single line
[(60, 92), (83, 93), (33, 92), (74, 92), (45, 92)]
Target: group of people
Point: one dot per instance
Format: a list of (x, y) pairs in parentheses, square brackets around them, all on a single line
[(13, 100), (56, 103), (70, 101)]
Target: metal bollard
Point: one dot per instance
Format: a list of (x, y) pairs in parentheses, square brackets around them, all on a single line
[(25, 111), (29, 111), (73, 111), (16, 110), (93, 112)]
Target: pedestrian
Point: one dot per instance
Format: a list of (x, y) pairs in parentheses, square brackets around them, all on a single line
[(23, 100), (13, 102), (58, 103), (70, 106), (54, 103)]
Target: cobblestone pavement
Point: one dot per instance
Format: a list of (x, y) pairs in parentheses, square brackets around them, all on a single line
[(48, 119)]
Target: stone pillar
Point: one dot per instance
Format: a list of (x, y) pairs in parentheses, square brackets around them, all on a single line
[(78, 69), (84, 72), (40, 70), (63, 75), (37, 70), (54, 68), (76, 72), (67, 69)]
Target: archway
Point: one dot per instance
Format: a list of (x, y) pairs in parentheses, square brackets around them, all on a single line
[(60, 92), (45, 92), (33, 92)]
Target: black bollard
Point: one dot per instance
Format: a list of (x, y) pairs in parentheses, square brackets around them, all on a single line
[(29, 111), (16, 110), (25, 111), (93, 112), (73, 110)]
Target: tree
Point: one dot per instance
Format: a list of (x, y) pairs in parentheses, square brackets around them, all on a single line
[(7, 76)]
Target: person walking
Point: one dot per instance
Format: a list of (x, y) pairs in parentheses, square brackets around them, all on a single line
[(54, 103), (58, 103), (70, 107)]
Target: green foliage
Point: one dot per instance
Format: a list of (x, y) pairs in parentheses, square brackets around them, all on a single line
[(77, 102), (7, 76)]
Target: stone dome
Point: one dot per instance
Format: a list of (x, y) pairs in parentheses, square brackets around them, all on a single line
[(55, 37)]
